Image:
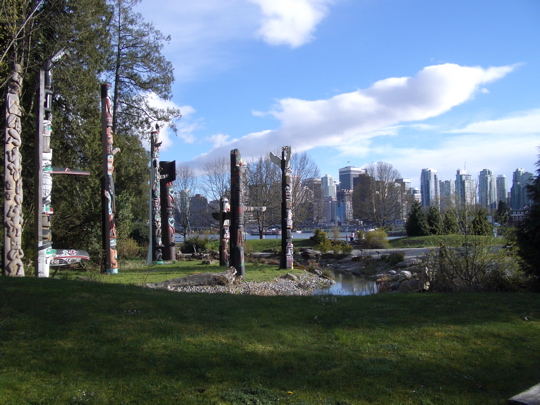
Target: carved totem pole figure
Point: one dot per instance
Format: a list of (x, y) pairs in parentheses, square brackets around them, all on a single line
[(237, 215), (155, 247), (168, 175), (107, 185), (13, 193), (224, 218), (284, 163)]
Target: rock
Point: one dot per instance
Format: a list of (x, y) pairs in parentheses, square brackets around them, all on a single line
[(412, 285), (310, 254), (405, 275), (401, 265), (205, 279), (289, 276), (529, 397)]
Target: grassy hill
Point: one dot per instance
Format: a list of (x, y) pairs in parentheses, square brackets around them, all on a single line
[(66, 341)]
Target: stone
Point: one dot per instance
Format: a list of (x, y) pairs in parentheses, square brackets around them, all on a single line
[(405, 275), (205, 279), (411, 285), (529, 397), (289, 276)]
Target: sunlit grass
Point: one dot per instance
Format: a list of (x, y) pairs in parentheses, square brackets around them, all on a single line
[(66, 341)]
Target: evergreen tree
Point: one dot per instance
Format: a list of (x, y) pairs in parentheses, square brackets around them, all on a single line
[(502, 216), (450, 223), (528, 232), (434, 221), (416, 224), (480, 224)]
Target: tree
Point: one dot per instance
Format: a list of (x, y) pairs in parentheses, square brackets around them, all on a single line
[(264, 190), (303, 169), (502, 216), (480, 224), (138, 70), (528, 231), (185, 183), (450, 223), (416, 224), (216, 178), (434, 221), (378, 197)]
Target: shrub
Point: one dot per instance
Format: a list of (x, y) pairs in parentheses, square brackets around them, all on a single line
[(128, 249), (341, 247), (319, 236), (196, 244), (396, 257), (377, 239), (325, 245)]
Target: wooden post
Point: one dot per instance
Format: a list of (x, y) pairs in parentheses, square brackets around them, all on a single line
[(108, 196), (237, 215), (13, 192), (168, 175)]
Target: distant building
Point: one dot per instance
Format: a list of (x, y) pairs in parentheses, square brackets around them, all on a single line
[(347, 175), (465, 188), (315, 199), (519, 198), (448, 193), (487, 190), (328, 186), (502, 189), (344, 206), (429, 187)]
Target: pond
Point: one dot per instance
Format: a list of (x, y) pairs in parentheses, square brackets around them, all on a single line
[(348, 284)]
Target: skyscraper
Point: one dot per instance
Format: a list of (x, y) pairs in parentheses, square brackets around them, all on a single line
[(465, 188), (487, 189), (329, 202), (429, 187), (448, 193), (347, 175), (519, 198), (328, 186), (502, 189)]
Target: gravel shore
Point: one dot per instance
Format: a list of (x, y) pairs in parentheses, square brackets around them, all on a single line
[(289, 284)]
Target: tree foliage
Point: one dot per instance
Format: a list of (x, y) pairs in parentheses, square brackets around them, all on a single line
[(416, 224), (528, 232), (434, 221)]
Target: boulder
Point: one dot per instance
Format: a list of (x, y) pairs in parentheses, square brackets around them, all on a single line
[(211, 279), (405, 275), (411, 285)]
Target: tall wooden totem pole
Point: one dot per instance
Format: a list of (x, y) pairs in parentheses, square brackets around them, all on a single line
[(284, 163), (107, 185), (168, 175), (224, 218), (237, 215), (13, 192)]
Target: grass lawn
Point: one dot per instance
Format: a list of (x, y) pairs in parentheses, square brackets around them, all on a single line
[(434, 241), (67, 341)]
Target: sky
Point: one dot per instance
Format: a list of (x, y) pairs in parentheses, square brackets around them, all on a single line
[(445, 84)]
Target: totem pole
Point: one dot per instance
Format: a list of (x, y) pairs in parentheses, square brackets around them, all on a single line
[(224, 218), (284, 163), (107, 185), (168, 175), (155, 247), (237, 215), (13, 192)]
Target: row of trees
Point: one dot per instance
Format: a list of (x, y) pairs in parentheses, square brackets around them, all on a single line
[(106, 41)]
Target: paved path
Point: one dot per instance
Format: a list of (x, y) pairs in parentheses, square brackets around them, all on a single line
[(409, 252)]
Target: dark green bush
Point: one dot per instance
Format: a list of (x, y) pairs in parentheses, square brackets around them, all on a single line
[(196, 244)]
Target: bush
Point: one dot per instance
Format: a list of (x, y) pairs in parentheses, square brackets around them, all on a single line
[(377, 239), (325, 245), (396, 257), (319, 236), (128, 249), (196, 244), (341, 247)]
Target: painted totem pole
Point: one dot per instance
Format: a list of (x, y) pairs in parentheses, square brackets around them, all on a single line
[(224, 218), (13, 192), (168, 175), (107, 185), (155, 247), (284, 163), (237, 215)]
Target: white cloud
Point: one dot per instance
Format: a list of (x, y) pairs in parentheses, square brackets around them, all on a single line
[(527, 122), (219, 140), (290, 22), (354, 117)]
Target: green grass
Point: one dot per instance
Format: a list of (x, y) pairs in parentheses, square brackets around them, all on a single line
[(66, 341)]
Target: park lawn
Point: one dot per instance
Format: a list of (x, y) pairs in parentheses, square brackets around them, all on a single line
[(67, 341), (435, 241)]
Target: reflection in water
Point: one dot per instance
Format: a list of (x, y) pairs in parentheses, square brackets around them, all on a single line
[(347, 284)]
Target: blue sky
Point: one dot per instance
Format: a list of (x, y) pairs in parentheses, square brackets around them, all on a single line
[(442, 84)]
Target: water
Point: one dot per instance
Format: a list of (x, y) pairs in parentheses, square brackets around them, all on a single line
[(348, 284)]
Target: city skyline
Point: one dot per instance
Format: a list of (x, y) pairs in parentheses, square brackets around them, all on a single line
[(447, 85)]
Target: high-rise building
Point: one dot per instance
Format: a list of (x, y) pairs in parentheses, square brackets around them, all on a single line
[(502, 189), (519, 197), (347, 175), (465, 188), (344, 206), (313, 186), (447, 193), (487, 190), (328, 186), (429, 187)]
